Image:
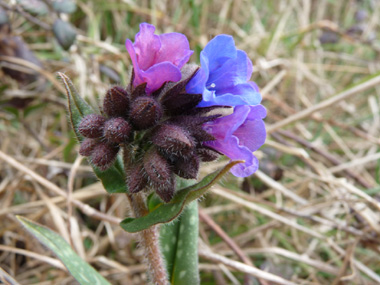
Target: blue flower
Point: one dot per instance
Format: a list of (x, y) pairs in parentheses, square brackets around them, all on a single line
[(223, 78)]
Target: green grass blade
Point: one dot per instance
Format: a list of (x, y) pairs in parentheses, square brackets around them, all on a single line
[(79, 269), (169, 242), (185, 269), (179, 243)]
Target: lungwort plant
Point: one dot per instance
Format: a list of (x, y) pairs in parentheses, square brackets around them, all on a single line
[(151, 137)]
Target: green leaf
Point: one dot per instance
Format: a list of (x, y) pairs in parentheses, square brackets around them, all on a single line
[(164, 213), (79, 269), (179, 242), (113, 179), (169, 234)]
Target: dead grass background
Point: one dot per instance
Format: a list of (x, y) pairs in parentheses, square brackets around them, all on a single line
[(310, 215)]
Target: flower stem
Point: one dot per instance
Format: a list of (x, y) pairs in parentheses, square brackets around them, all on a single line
[(149, 240)]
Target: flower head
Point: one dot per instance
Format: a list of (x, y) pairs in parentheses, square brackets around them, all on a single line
[(238, 135), (157, 58), (224, 75), (170, 117)]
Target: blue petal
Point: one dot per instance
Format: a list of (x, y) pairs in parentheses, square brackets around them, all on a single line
[(218, 50), (232, 72), (247, 98), (246, 91), (198, 83), (226, 71)]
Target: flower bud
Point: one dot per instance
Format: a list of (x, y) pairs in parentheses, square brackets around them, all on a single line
[(172, 139), (136, 178), (116, 102), (91, 126), (166, 192), (87, 146), (207, 154), (194, 125), (139, 91), (117, 130), (160, 175), (187, 167), (145, 112), (176, 104), (103, 155)]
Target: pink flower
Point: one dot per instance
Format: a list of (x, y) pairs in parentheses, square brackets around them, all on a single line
[(157, 58)]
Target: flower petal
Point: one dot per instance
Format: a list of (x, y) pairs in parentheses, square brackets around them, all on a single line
[(229, 84), (249, 97), (146, 46), (234, 151), (138, 78), (252, 132), (160, 73), (249, 68), (218, 50), (157, 59), (226, 71), (198, 83), (254, 85), (233, 71), (224, 127), (175, 49)]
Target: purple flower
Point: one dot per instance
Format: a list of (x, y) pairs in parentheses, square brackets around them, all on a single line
[(157, 58), (224, 74), (238, 135)]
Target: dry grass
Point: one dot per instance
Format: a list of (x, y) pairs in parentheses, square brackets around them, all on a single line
[(311, 215)]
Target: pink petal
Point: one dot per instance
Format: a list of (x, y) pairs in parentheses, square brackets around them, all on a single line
[(147, 46), (138, 78), (174, 48), (160, 73)]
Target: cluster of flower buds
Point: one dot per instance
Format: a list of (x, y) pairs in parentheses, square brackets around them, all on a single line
[(161, 134)]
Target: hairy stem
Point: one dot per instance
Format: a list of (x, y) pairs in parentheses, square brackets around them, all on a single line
[(149, 240)]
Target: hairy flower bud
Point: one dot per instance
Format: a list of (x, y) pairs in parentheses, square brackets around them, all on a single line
[(87, 146), (91, 126), (160, 175), (172, 139), (174, 97), (176, 104), (103, 155), (187, 167), (166, 192), (206, 154), (136, 178), (138, 91), (116, 102), (117, 130), (145, 112)]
